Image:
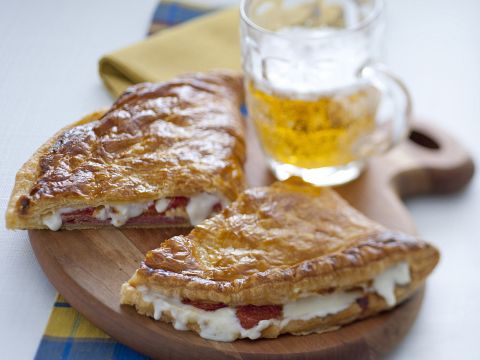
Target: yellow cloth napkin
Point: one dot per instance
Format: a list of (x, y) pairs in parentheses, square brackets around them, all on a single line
[(209, 42)]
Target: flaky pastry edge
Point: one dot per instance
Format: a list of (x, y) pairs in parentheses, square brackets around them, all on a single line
[(355, 265)]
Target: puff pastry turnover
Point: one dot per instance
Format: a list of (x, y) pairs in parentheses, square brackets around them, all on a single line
[(164, 154), (290, 258)]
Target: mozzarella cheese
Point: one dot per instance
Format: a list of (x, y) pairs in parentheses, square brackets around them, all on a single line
[(314, 306), (219, 325), (198, 209), (223, 324), (200, 206), (384, 284), (54, 220), (161, 205), (119, 214)]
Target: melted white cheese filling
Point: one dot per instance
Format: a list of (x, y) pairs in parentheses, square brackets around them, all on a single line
[(161, 205), (54, 220), (198, 209), (318, 305), (223, 324), (200, 206), (119, 214), (384, 284), (220, 325)]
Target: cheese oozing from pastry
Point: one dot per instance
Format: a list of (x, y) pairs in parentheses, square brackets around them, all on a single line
[(54, 220), (161, 205), (199, 207), (223, 324), (220, 325), (319, 305), (384, 284), (119, 214)]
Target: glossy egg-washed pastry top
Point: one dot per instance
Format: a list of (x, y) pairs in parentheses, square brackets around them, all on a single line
[(177, 138), (275, 244)]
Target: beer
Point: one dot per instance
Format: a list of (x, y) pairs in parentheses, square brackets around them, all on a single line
[(319, 130), (320, 103)]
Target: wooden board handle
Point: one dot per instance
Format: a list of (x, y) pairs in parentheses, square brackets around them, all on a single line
[(429, 161)]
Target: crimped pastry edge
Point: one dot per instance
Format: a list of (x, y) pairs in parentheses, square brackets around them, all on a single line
[(353, 266), (376, 304)]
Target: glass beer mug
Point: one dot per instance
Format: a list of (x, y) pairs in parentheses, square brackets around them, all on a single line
[(320, 103)]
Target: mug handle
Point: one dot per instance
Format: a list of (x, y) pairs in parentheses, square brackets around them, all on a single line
[(395, 92)]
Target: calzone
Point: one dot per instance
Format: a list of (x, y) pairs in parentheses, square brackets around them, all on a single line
[(289, 258), (167, 154)]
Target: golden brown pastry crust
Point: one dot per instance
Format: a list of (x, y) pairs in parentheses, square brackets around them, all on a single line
[(176, 138), (274, 244)]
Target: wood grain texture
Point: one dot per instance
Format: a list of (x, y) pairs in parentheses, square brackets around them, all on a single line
[(88, 266)]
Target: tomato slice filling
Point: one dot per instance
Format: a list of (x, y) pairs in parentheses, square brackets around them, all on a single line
[(363, 302), (248, 315), (149, 216), (177, 201)]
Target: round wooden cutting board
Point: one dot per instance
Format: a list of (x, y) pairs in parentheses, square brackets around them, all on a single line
[(89, 266)]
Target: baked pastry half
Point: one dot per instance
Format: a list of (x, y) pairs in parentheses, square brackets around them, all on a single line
[(290, 258), (163, 155)]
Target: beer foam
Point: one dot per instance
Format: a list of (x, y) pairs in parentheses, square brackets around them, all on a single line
[(316, 65)]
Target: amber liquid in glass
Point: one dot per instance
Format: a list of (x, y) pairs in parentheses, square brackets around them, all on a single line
[(330, 129)]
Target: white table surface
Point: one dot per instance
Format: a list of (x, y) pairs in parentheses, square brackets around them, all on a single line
[(48, 78)]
